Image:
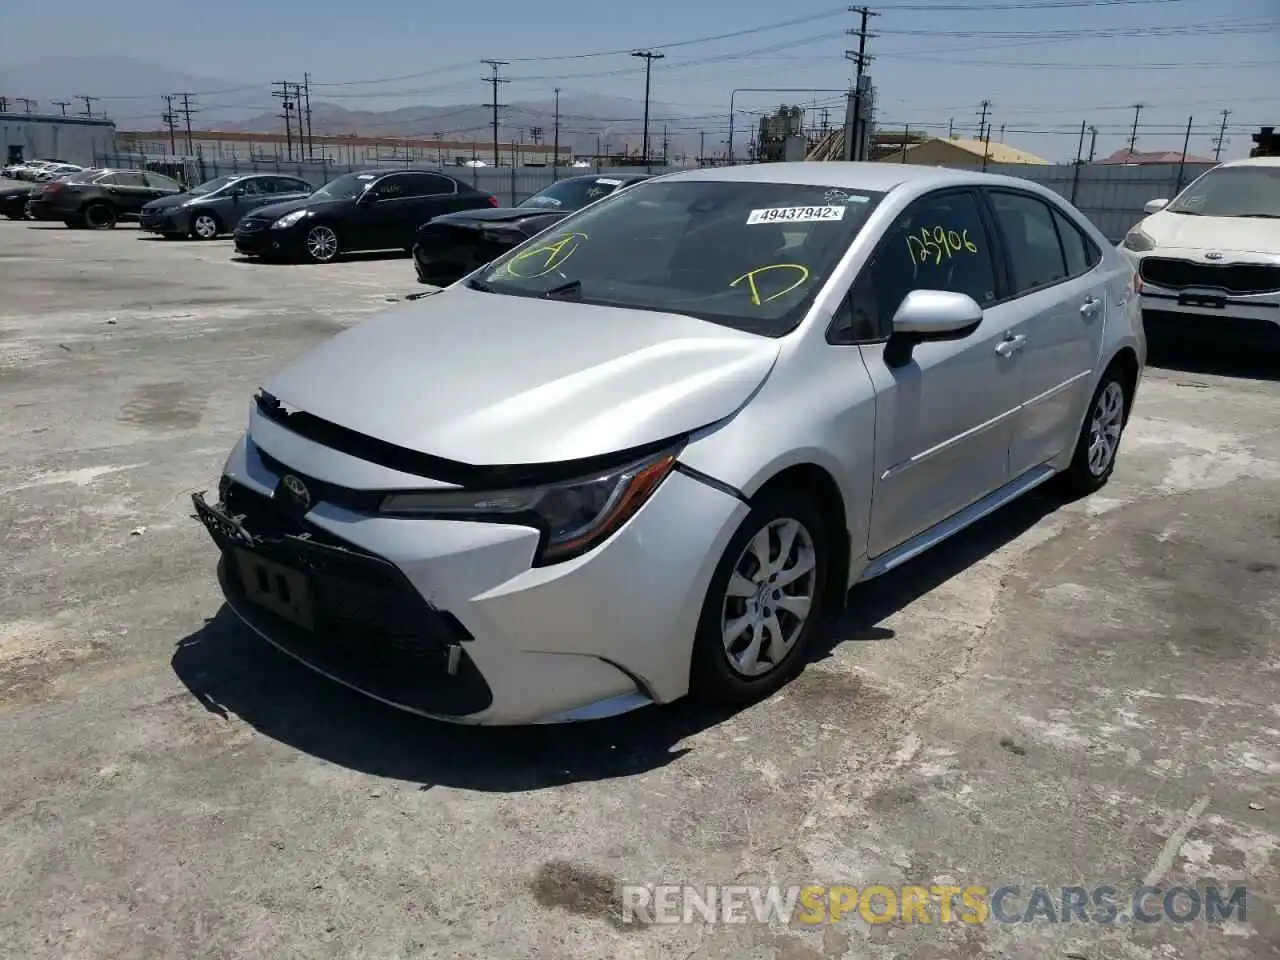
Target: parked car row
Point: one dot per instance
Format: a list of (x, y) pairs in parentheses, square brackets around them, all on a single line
[(40, 171)]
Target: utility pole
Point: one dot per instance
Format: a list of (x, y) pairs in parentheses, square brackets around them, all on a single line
[(170, 121), (186, 113), (283, 95), (4, 104), (1182, 164), (853, 149), (986, 148), (1221, 139), (63, 104), (951, 128), (27, 104), (702, 148), (1133, 137), (666, 143), (649, 56), (88, 104), (555, 149), (495, 66), (1093, 143), (306, 100), (982, 120)]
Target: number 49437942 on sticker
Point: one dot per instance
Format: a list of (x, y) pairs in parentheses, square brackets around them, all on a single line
[(795, 214)]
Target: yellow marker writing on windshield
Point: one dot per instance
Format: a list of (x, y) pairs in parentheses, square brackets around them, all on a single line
[(750, 277), (553, 255)]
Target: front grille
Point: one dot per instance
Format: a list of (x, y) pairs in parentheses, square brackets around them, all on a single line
[(373, 629), (1171, 326), (1233, 278)]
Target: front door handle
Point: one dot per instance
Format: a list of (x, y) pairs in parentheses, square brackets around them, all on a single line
[(1090, 307), (1010, 345)]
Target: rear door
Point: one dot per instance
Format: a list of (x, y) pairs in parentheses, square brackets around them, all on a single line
[(129, 192), (430, 195), (1059, 296)]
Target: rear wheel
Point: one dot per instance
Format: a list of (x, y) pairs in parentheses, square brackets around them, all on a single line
[(205, 226), (322, 244), (99, 216), (75, 223), (764, 603), (1099, 440)]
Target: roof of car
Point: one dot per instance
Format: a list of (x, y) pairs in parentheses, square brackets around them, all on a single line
[(1254, 162), (852, 175)]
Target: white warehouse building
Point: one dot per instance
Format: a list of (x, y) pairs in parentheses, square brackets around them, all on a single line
[(50, 137)]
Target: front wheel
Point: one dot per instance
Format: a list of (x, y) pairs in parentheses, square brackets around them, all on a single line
[(205, 226), (764, 603), (1099, 440), (322, 244)]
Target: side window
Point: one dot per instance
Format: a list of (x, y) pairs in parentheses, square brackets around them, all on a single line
[(252, 186), (292, 186), (1032, 240), (158, 181), (106, 180), (427, 185), (390, 188), (1082, 256), (130, 180), (938, 243)]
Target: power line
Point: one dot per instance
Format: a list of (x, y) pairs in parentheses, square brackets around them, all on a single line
[(1133, 136), (495, 66), (853, 131), (649, 56), (1221, 139), (170, 120)]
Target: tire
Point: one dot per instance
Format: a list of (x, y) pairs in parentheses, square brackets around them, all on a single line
[(321, 244), (99, 216), (721, 670), (173, 236), (1098, 445), (74, 223), (205, 226)]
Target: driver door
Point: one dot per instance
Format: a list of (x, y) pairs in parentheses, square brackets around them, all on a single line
[(944, 419)]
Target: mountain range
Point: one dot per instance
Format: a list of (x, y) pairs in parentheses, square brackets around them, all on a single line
[(130, 90)]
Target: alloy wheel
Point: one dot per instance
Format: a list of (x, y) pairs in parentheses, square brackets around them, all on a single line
[(205, 227), (322, 244), (769, 597), (1104, 428)]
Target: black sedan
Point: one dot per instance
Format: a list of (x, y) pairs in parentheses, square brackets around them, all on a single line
[(451, 246), (13, 201), (374, 210)]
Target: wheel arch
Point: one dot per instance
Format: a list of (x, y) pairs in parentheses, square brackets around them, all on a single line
[(1125, 363), (817, 482)]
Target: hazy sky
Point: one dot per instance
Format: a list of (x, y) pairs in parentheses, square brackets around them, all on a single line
[(1046, 65)]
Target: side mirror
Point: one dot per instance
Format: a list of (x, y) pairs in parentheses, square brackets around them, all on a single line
[(930, 315), (237, 192), (1155, 206)]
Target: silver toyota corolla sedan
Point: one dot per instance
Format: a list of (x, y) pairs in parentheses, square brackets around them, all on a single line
[(640, 455)]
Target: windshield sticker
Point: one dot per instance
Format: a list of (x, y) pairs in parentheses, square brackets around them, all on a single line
[(610, 182), (545, 257), (795, 215), (754, 288), (937, 243), (365, 176)]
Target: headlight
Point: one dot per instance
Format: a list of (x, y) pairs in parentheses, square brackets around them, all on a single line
[(574, 516), (1137, 241), (289, 219)]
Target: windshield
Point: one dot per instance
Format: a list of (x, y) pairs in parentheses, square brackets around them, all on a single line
[(346, 187), (209, 186), (574, 194), (1232, 192), (747, 255)]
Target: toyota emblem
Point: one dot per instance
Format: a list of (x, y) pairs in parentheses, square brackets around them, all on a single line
[(297, 489), (1215, 255)]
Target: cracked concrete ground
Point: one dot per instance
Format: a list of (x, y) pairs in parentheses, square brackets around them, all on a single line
[(1077, 694)]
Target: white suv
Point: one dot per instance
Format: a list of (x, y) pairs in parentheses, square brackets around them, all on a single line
[(1209, 262)]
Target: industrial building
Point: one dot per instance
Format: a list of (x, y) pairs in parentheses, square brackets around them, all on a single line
[(957, 152), (344, 149), (32, 136)]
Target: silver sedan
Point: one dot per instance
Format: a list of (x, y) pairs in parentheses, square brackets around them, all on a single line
[(639, 456)]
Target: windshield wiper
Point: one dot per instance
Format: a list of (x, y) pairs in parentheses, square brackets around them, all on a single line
[(570, 290), (1265, 216), (480, 285)]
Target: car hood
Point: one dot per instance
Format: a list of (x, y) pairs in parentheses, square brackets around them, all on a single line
[(1227, 234), (18, 191), (275, 211), (487, 380), (166, 203), (497, 215)]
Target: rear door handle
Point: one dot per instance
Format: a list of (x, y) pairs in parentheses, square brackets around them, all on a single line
[(1010, 345), (1090, 307)]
